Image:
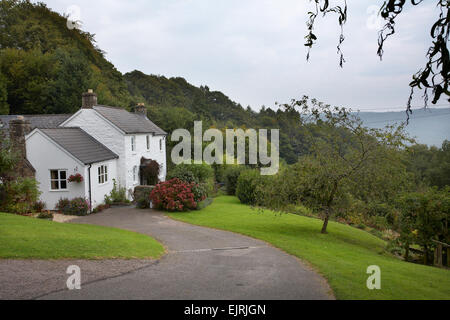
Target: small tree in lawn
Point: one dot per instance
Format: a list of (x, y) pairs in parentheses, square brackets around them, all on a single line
[(340, 149)]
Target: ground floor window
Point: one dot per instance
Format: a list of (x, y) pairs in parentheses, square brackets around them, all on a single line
[(102, 174), (58, 179)]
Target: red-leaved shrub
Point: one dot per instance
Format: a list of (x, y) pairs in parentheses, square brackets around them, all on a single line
[(176, 195)]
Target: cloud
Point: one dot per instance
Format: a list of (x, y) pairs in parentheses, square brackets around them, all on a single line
[(253, 50)]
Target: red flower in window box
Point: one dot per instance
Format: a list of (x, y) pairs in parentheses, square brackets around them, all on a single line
[(78, 178)]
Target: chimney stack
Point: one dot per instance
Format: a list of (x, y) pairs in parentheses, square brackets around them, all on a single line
[(89, 99), (140, 109), (18, 128)]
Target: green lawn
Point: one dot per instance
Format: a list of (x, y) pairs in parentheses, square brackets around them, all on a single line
[(25, 238), (342, 255)]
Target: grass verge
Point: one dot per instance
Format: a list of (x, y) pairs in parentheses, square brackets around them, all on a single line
[(28, 238), (341, 256)]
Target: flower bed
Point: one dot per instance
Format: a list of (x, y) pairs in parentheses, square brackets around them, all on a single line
[(74, 207), (177, 195)]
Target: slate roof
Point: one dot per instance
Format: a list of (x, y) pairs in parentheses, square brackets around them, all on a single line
[(80, 144), (129, 122), (36, 121)]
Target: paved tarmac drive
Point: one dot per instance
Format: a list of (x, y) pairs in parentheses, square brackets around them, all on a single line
[(201, 263)]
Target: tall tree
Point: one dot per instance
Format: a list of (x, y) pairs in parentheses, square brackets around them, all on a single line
[(4, 107)]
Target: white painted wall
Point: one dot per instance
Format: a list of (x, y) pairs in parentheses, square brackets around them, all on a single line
[(133, 158), (100, 190), (44, 155), (91, 122)]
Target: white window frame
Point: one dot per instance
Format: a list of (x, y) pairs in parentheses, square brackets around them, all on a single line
[(102, 174), (59, 180), (148, 142), (133, 143)]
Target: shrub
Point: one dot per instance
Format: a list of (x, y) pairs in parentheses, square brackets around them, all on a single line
[(423, 218), (150, 171), (219, 171), (200, 191), (231, 176), (75, 207), (21, 208), (63, 204), (194, 173), (383, 210), (202, 172), (117, 195), (19, 196), (39, 206), (184, 175), (247, 186), (45, 215), (176, 195), (79, 207)]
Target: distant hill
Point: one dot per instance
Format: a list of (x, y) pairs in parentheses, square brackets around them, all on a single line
[(44, 68), (429, 126)]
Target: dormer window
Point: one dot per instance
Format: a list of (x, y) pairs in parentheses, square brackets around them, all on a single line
[(133, 143)]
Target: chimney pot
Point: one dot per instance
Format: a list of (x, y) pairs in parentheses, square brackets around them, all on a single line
[(140, 109), (89, 99)]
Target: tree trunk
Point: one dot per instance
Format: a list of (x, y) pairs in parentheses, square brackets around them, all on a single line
[(327, 210), (425, 256), (325, 222), (406, 257)]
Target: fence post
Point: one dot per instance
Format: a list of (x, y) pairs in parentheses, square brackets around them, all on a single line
[(438, 255)]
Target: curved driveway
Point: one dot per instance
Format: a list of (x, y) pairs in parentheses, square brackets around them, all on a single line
[(200, 263)]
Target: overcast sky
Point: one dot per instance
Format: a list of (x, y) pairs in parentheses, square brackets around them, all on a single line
[(253, 50)]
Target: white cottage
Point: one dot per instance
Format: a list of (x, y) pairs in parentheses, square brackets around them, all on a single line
[(100, 143)]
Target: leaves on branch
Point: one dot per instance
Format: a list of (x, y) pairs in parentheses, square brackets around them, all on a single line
[(435, 74), (325, 8)]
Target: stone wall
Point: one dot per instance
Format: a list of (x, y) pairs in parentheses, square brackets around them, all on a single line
[(18, 128), (142, 192)]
